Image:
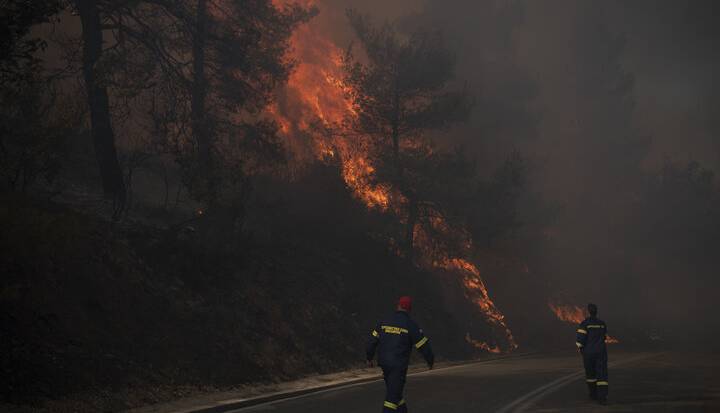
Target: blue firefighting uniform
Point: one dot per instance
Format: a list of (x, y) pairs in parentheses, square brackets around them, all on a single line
[(394, 339), (590, 340)]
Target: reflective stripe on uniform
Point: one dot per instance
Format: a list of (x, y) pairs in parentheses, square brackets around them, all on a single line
[(602, 383), (375, 333), (591, 380), (401, 402), (390, 405), (421, 342), (394, 330), (581, 331), (595, 326), (577, 343)]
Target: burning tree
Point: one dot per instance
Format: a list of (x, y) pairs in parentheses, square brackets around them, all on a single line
[(399, 92), (340, 106)]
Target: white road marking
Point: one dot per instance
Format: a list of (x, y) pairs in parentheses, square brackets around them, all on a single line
[(263, 406), (518, 405), (524, 402)]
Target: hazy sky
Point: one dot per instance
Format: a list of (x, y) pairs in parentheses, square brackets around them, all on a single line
[(524, 62), (671, 50)]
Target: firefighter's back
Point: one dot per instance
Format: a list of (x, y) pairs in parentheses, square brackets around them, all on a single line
[(395, 339), (596, 330)]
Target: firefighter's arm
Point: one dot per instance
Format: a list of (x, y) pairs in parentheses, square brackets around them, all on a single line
[(581, 336), (372, 343), (422, 344)]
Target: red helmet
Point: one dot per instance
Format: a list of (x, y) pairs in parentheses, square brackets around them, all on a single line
[(405, 302)]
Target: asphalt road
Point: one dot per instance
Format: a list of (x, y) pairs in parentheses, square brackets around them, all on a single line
[(639, 382)]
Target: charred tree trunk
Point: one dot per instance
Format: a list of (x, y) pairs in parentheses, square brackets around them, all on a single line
[(98, 103), (198, 98)]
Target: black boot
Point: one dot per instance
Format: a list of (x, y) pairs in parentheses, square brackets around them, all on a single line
[(592, 390), (602, 392)]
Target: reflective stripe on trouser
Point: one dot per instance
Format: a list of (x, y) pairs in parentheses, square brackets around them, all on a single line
[(394, 385), (400, 406), (596, 374)]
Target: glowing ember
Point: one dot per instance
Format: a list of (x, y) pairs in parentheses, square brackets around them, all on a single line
[(357, 171), (476, 291), (575, 315), (481, 345)]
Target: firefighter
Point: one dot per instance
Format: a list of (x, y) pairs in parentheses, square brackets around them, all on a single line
[(394, 339), (590, 341)]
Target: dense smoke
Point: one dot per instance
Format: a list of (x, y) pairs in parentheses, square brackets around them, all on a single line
[(587, 161), (614, 104), (190, 188)]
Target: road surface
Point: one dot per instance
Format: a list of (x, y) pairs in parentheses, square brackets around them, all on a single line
[(639, 382)]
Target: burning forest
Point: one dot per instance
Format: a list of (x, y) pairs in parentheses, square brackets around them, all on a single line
[(319, 105), (191, 188)]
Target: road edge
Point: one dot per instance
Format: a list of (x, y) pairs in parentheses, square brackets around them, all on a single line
[(223, 406)]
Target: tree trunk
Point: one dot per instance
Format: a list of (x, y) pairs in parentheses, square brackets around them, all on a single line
[(98, 103), (412, 206), (410, 228), (396, 134), (199, 92)]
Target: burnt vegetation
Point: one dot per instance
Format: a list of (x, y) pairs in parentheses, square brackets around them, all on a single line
[(201, 194)]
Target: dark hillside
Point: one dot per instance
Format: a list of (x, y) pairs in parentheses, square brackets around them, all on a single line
[(128, 314)]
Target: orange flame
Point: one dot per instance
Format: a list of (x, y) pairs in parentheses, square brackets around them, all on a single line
[(481, 345), (313, 103), (476, 291), (575, 315), (568, 313)]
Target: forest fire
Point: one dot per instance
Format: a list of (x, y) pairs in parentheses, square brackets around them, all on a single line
[(199, 198), (310, 112), (477, 292), (313, 103), (568, 313), (574, 314)]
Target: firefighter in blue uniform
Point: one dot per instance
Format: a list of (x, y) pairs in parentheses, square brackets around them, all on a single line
[(591, 334), (394, 339)]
